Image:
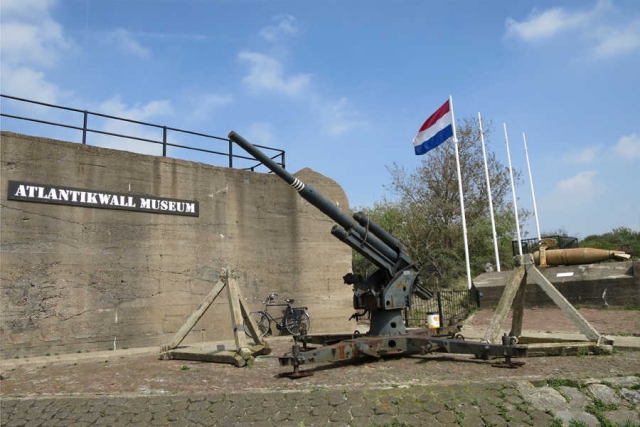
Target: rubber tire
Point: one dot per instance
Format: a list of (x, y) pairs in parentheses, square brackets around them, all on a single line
[(294, 323), (262, 321)]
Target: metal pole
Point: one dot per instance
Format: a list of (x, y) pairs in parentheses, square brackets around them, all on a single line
[(440, 310), (230, 154), (486, 171), (464, 221), (84, 128), (164, 141), (513, 191), (533, 194)]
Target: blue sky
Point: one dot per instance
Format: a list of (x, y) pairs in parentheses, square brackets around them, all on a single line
[(343, 86)]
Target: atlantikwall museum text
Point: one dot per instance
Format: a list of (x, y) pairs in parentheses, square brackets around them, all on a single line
[(104, 249)]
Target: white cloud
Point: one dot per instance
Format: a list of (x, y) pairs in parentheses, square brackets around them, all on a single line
[(545, 24), (127, 43), (24, 9), (580, 189), (36, 44), (261, 133), (115, 107), (266, 73), (570, 196), (286, 26), (628, 147), (205, 105), (585, 156), (25, 82), (613, 41), (30, 42), (339, 116), (140, 112), (604, 36)]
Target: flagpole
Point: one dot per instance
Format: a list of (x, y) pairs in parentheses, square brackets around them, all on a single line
[(486, 171), (513, 190), (533, 194), (464, 222)]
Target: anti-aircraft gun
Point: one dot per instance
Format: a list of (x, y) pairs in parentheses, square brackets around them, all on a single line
[(384, 294)]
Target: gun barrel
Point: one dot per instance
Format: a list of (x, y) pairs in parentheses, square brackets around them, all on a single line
[(383, 234), (311, 195)]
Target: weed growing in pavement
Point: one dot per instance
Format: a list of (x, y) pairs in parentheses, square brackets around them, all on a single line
[(394, 423), (577, 423), (184, 368), (561, 382), (459, 415), (557, 422), (597, 408), (502, 411)]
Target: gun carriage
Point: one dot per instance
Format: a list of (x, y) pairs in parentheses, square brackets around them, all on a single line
[(385, 294)]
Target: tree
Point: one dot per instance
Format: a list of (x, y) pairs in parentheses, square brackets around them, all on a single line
[(425, 213), (621, 239)]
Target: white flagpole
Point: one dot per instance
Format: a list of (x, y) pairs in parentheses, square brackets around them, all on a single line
[(533, 194), (464, 222), (486, 172), (513, 191)]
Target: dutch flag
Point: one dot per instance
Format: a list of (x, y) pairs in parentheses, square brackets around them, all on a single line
[(436, 130)]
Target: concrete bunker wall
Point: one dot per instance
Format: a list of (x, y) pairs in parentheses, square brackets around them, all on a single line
[(614, 284), (81, 278)]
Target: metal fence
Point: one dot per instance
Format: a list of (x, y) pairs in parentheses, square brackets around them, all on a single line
[(452, 307), (85, 130), (531, 245)]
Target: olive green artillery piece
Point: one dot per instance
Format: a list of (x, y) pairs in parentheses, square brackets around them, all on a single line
[(384, 294)]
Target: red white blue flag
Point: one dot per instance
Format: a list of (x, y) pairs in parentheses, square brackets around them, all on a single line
[(436, 130)]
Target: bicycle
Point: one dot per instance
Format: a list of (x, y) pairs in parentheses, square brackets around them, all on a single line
[(294, 320)]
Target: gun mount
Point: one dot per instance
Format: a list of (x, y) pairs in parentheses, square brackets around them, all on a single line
[(384, 294)]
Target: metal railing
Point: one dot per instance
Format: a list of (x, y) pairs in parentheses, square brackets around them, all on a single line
[(532, 245), (452, 307), (278, 157)]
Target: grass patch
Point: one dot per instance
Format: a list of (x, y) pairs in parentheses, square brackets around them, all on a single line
[(556, 383), (597, 408)]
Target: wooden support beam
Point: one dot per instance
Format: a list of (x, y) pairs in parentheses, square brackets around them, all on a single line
[(236, 318), (195, 316), (516, 279), (250, 324), (566, 307), (518, 304)]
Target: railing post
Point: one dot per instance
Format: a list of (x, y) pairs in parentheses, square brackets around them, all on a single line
[(84, 128), (164, 141), (440, 310), (283, 166), (230, 154)]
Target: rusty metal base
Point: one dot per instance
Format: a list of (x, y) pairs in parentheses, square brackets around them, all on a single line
[(419, 341)]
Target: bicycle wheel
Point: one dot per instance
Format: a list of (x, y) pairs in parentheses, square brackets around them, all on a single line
[(294, 323), (262, 321)]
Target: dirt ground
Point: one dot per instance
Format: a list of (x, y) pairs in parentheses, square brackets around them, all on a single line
[(143, 373)]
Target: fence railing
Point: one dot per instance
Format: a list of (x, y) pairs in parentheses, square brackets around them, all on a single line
[(452, 307), (532, 245), (85, 129)]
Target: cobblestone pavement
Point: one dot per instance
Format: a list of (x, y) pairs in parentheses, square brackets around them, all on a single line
[(612, 401), (134, 388)]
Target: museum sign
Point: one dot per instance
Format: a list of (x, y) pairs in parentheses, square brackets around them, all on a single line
[(43, 193)]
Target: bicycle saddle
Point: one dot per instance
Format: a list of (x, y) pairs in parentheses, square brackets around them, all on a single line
[(289, 300)]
